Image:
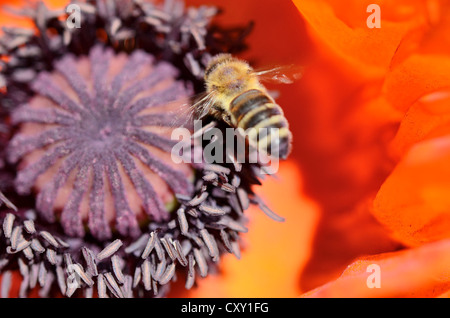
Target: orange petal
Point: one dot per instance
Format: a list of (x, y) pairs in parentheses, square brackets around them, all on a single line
[(344, 29), (10, 19), (418, 272), (425, 119), (413, 202), (278, 36), (417, 76), (421, 65)]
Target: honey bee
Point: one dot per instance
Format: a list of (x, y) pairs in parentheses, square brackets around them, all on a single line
[(234, 94)]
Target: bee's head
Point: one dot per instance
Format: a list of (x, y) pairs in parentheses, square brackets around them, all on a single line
[(227, 74)]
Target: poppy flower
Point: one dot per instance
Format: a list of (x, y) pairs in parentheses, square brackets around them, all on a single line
[(110, 212), (420, 144), (418, 272), (365, 187)]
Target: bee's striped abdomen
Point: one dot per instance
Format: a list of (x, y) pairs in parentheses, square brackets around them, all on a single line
[(246, 102), (255, 110)]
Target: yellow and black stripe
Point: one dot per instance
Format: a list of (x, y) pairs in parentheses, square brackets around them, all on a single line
[(254, 110), (218, 61)]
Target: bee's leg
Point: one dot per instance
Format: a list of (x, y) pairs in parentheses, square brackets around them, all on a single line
[(227, 118), (219, 113)]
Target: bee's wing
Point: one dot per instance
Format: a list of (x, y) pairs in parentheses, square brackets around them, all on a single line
[(185, 114), (281, 74), (204, 104)]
